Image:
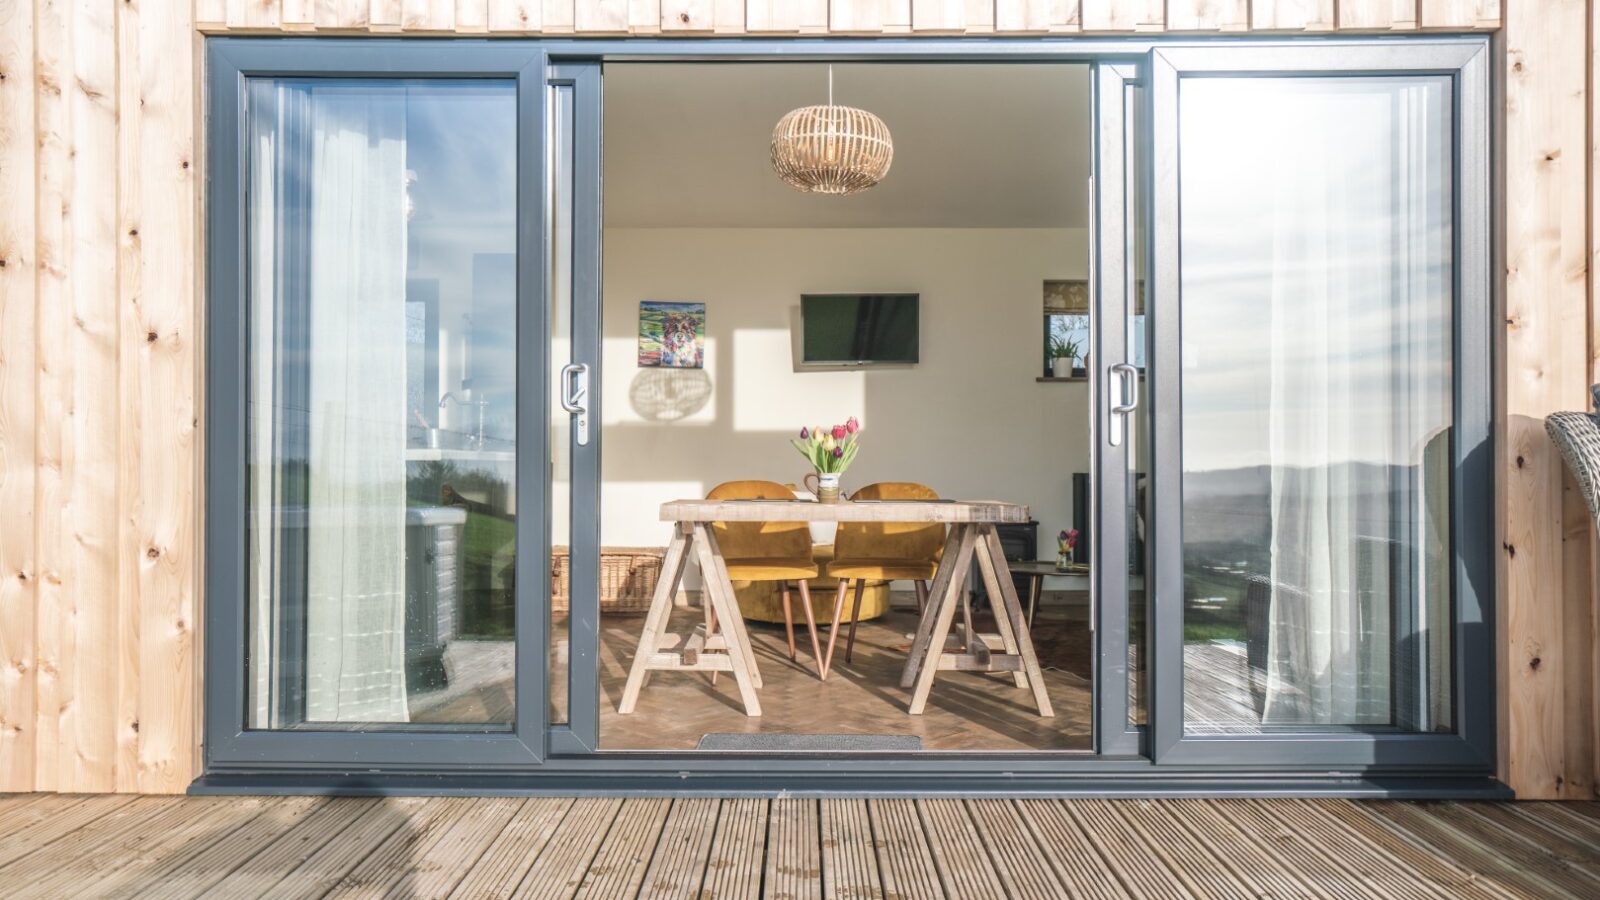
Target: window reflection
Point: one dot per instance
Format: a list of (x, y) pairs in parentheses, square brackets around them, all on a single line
[(1316, 372), (381, 445)]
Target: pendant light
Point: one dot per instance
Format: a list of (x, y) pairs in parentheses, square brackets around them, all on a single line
[(831, 149)]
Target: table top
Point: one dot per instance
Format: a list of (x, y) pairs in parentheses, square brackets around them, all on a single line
[(968, 511), (1042, 567)]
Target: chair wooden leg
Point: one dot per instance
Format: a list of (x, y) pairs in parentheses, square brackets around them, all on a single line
[(833, 630), (855, 616), (811, 625), (788, 618)]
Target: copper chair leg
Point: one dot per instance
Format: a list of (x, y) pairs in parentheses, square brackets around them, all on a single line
[(788, 618), (811, 625), (833, 630), (855, 615)]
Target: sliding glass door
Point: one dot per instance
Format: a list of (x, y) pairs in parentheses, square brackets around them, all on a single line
[(374, 376), (1320, 264)]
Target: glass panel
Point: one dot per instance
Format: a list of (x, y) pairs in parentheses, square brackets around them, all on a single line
[(1139, 422), (560, 313), (382, 407), (1316, 374)]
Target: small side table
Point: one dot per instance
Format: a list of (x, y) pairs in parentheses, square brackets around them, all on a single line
[(1037, 571)]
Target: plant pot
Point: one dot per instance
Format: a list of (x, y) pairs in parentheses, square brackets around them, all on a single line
[(1061, 367)]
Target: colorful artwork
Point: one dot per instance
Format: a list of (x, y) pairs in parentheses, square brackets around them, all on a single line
[(672, 335)]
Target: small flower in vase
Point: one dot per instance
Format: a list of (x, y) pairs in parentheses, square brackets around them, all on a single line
[(1066, 541), (830, 451)]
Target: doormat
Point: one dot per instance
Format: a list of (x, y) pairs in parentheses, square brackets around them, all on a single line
[(811, 743)]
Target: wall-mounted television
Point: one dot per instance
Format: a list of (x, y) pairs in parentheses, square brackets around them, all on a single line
[(858, 329)]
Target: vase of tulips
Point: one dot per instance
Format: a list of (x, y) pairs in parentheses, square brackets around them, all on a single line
[(830, 451), (1066, 541)]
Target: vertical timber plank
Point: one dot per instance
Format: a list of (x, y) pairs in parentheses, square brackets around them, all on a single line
[(1545, 371), (601, 16), (954, 16), (89, 530), (161, 347), (558, 16), (515, 15), (428, 16), (1459, 14), (1208, 15), (644, 16), (52, 57), (1034, 16), (1123, 15), (1291, 15), (1378, 15), (18, 240), (472, 16), (790, 16)]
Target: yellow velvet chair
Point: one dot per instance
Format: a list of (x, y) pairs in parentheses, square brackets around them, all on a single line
[(888, 551), (770, 551)]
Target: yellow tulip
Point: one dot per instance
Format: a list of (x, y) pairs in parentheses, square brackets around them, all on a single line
[(827, 443)]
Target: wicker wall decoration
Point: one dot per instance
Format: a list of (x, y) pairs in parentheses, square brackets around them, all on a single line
[(831, 149)]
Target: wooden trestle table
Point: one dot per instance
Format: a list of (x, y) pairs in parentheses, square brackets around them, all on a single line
[(722, 644)]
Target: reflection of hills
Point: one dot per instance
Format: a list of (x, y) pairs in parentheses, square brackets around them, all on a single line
[(1227, 513)]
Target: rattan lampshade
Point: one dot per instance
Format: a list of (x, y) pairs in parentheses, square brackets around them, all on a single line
[(831, 149)]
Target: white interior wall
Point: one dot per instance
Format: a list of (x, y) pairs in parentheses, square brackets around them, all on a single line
[(970, 420)]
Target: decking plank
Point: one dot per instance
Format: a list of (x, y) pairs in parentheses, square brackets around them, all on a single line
[(618, 868), (1577, 850), (1017, 859), (849, 856), (176, 830), (259, 868), (905, 859), (181, 876), (678, 868), (794, 851), (1341, 876), (323, 869), (502, 866), (1210, 875), (1441, 840), (1070, 853), (1560, 814), (1125, 851), (559, 869), (28, 810), (1410, 852), (964, 864), (734, 867), (50, 829), (390, 860), (107, 830), (1262, 868), (437, 870), (1524, 856)]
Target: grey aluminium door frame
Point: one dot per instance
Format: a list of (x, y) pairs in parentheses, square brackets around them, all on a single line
[(227, 739), (1111, 283), (1470, 748), (571, 760)]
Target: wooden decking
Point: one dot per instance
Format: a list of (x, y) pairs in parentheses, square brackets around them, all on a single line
[(171, 847)]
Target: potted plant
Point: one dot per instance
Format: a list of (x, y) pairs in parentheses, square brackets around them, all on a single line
[(1064, 352), (830, 450)]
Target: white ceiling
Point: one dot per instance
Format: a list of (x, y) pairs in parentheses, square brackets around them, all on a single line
[(975, 146)]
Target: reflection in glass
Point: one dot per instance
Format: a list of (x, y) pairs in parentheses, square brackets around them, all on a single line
[(381, 441), (1316, 374)]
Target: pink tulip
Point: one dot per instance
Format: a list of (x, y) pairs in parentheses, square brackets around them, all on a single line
[(852, 426), (839, 432)]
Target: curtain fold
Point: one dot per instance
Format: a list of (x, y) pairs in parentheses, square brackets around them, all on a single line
[(355, 653)]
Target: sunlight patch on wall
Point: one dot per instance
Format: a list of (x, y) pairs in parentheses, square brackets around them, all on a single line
[(768, 395)]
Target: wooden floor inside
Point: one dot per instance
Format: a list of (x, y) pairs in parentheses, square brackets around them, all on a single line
[(966, 711), (175, 847)]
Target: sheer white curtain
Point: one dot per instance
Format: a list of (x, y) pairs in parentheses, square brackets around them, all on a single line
[(327, 415), (355, 652), (1351, 385)]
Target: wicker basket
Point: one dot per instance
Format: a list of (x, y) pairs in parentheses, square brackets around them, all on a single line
[(628, 577)]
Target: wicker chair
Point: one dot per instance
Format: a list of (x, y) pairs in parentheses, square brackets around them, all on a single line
[(1577, 436)]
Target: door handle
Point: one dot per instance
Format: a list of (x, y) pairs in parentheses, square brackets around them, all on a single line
[(1126, 382), (575, 398)]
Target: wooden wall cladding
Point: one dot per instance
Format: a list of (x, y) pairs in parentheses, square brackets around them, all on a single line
[(100, 352)]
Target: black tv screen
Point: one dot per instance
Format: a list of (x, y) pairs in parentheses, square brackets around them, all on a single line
[(858, 328)]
